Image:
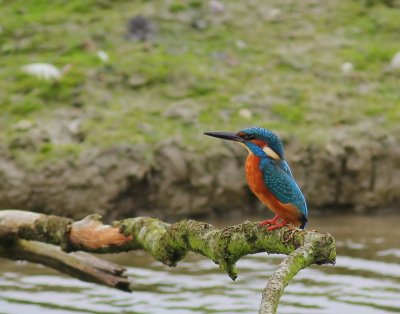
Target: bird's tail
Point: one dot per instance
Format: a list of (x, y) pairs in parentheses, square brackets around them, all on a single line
[(303, 220)]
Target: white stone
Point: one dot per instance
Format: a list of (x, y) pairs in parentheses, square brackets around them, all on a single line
[(103, 56), (347, 68), (216, 6), (245, 113), (274, 14), (240, 44), (23, 125), (395, 63), (44, 71)]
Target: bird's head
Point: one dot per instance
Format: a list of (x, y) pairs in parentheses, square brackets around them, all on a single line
[(258, 141)]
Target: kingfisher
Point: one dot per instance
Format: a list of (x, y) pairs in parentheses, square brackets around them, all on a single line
[(269, 177)]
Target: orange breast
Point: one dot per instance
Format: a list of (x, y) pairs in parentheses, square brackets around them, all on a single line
[(255, 180)]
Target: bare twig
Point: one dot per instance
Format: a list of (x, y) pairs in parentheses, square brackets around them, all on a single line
[(77, 264)]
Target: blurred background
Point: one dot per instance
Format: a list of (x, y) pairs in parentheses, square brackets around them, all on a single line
[(103, 108)]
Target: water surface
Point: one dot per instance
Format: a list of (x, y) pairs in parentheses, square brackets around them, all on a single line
[(366, 279)]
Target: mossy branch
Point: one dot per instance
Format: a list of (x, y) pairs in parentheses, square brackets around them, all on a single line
[(311, 252), (169, 243)]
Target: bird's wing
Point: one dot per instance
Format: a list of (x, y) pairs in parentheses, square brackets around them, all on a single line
[(285, 167), (279, 180)]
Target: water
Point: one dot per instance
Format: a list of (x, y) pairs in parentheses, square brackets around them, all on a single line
[(366, 279)]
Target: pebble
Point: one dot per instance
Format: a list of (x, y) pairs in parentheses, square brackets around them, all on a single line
[(216, 7), (395, 63), (245, 113), (44, 71), (23, 125), (103, 56), (347, 68)]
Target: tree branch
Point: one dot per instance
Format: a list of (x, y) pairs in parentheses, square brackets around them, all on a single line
[(169, 243), (79, 265), (307, 254)]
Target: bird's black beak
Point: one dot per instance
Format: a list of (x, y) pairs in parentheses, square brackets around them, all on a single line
[(226, 136)]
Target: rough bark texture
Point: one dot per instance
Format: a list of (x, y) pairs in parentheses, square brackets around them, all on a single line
[(311, 252), (169, 243), (76, 264)]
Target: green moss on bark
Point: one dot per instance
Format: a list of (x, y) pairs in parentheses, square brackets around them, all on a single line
[(170, 243), (48, 229)]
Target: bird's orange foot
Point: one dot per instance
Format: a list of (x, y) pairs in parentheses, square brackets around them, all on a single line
[(279, 225), (269, 221)]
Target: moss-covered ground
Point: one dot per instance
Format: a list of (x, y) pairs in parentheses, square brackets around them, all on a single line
[(206, 66)]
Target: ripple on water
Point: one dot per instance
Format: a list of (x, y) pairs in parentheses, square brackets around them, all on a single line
[(356, 284)]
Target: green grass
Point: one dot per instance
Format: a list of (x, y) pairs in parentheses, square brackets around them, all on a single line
[(281, 60)]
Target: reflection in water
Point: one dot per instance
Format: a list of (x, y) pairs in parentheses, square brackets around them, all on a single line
[(366, 279)]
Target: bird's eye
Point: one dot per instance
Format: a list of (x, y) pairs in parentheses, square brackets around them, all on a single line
[(248, 137)]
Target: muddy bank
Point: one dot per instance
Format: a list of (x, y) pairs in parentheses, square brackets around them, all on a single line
[(343, 175)]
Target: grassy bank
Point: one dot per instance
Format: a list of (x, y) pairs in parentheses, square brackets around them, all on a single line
[(277, 64)]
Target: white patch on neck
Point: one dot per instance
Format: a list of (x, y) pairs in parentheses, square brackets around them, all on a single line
[(271, 153)]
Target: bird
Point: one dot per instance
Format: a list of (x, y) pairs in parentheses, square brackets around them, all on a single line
[(269, 176)]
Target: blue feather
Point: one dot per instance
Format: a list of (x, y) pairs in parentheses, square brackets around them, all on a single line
[(270, 137), (279, 180)]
